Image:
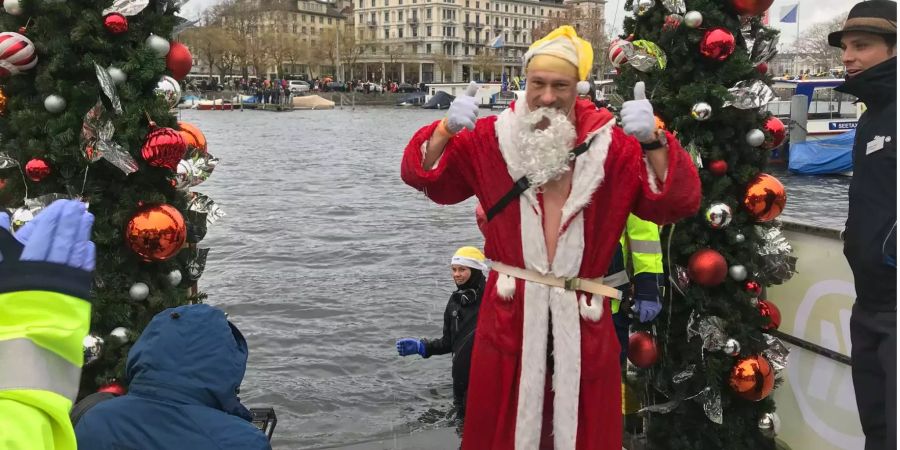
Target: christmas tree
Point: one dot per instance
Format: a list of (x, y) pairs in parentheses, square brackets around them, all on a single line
[(87, 89), (707, 365)]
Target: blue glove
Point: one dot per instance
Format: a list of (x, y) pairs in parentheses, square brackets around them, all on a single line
[(60, 234), (646, 296), (410, 346)]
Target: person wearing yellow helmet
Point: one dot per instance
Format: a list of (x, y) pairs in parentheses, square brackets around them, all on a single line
[(460, 317)]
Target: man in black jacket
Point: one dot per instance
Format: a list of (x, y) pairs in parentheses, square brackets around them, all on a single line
[(460, 317), (869, 40)]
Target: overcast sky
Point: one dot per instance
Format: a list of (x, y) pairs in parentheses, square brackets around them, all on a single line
[(811, 11)]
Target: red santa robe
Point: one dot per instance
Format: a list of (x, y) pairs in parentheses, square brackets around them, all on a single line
[(509, 363)]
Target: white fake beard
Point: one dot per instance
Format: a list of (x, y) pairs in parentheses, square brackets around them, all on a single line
[(543, 154)]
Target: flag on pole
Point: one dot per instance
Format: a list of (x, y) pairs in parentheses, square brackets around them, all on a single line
[(789, 13), (498, 42)]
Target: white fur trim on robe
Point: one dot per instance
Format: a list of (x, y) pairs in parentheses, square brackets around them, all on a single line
[(652, 180), (540, 301)]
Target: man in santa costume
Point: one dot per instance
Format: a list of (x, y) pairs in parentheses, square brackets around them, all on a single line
[(545, 367)]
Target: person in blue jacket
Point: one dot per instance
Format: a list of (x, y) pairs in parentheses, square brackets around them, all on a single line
[(183, 374)]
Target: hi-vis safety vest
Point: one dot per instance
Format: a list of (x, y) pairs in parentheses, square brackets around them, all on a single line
[(41, 354), (639, 252)]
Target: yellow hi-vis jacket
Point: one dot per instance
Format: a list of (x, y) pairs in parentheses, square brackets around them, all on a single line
[(641, 253), (43, 321)]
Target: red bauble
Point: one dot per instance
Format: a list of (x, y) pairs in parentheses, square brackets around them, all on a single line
[(752, 378), (774, 129), (113, 388), (707, 267), (37, 169), (753, 287), (751, 7), (179, 60), (19, 54), (115, 23), (762, 68), (718, 167), (164, 147), (768, 309), (642, 350), (156, 232), (765, 197), (717, 43)]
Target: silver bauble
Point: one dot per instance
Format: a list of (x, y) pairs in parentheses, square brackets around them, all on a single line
[(682, 278), (93, 348), (701, 111), (174, 277), (737, 272), (120, 334), (641, 7), (718, 216), (118, 75), (739, 238), (770, 424), (693, 19), (139, 291), (54, 104), (159, 45), (12, 7), (755, 137), (169, 88), (732, 347)]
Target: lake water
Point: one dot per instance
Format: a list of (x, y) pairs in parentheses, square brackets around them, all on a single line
[(326, 258)]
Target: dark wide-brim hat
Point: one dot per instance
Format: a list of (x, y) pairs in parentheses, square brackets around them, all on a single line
[(875, 16)]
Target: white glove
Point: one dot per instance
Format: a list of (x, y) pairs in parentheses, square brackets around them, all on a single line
[(637, 115), (463, 111)]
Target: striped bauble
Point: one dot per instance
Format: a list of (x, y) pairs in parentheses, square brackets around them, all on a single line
[(17, 53)]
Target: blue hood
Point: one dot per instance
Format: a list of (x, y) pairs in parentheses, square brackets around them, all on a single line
[(190, 355)]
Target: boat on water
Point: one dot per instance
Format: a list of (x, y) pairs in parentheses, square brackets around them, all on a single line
[(829, 156), (214, 105)]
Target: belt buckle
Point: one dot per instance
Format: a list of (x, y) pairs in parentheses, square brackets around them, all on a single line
[(572, 284)]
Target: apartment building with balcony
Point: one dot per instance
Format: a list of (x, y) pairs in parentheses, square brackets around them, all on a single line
[(427, 41)]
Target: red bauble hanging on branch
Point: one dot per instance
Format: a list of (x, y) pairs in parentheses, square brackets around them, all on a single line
[(707, 267), (751, 7), (115, 23), (775, 133), (717, 44), (17, 54), (113, 388), (718, 167), (179, 60), (164, 147), (770, 310), (37, 169), (642, 351)]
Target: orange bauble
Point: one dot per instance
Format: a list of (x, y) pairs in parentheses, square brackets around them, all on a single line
[(156, 232), (752, 378), (765, 197), (193, 137)]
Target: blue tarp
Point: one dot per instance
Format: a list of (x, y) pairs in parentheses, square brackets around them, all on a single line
[(833, 155)]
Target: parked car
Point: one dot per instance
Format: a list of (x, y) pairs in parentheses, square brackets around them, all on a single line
[(406, 87), (336, 86), (372, 87), (298, 86)]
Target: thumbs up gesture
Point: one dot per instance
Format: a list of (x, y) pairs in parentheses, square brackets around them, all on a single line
[(637, 116), (464, 110)]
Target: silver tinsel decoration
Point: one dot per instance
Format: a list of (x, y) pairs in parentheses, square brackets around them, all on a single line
[(96, 134), (712, 404), (674, 6), (203, 204), (681, 280), (108, 86), (127, 7), (194, 171), (197, 263), (764, 49), (770, 425), (661, 408), (750, 94), (684, 375), (33, 206), (7, 162), (694, 151), (778, 263), (641, 7), (93, 348), (710, 329), (776, 353)]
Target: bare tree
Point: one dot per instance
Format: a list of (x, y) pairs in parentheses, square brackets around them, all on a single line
[(587, 19), (351, 49), (443, 62), (814, 42), (486, 63)]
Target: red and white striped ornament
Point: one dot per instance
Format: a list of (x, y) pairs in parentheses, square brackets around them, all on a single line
[(617, 54), (17, 54)]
